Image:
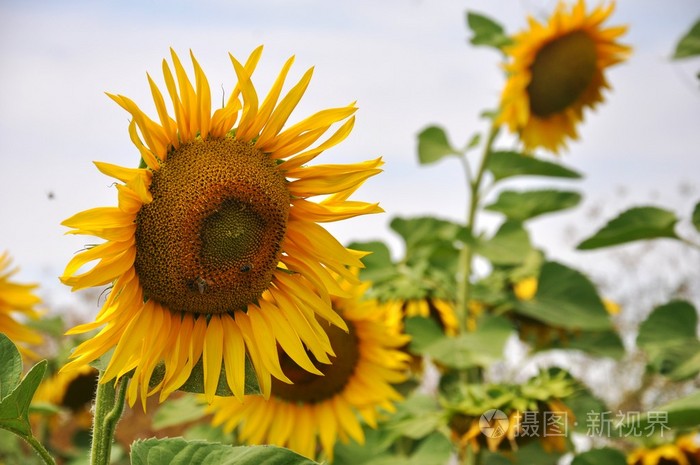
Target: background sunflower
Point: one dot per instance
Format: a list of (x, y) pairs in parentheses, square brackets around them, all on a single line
[(556, 70), (17, 305), (317, 410)]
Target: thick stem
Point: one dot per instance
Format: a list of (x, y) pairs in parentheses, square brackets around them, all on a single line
[(109, 405), (466, 256), (40, 449)]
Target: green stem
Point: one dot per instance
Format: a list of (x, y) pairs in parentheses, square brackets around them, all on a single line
[(466, 256), (40, 449), (109, 405)]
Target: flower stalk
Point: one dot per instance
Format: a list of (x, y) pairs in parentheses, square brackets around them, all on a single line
[(109, 405)]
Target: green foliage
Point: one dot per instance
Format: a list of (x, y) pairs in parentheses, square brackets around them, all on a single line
[(668, 336), (433, 145), (16, 395), (503, 165), (178, 411), (10, 368), (428, 267), (633, 225), (521, 206), (606, 455), (696, 217), (689, 45), (481, 347), (177, 451), (566, 299), (487, 31), (510, 245)]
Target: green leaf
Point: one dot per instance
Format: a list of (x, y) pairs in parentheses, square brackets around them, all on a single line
[(683, 413), (696, 216), (521, 206), (606, 455), (487, 31), (14, 408), (423, 332), (668, 336), (433, 450), (378, 264), (507, 164), (632, 225), (598, 343), (689, 45), (178, 411), (10, 366), (433, 145), (478, 348), (509, 246), (425, 231), (566, 298), (177, 451)]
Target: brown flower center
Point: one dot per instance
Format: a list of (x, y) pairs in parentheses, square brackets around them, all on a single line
[(210, 240), (562, 71), (310, 388)]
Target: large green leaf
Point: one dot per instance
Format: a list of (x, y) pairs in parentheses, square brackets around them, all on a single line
[(509, 246), (14, 408), (669, 338), (10, 366), (478, 348), (696, 216), (607, 456), (565, 298), (632, 225), (433, 145), (177, 451), (520, 206), (507, 164), (689, 45), (487, 31)]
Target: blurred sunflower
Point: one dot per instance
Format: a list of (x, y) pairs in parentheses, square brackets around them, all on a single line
[(214, 250), (17, 300), (74, 391), (684, 451), (555, 71), (325, 404), (441, 310)]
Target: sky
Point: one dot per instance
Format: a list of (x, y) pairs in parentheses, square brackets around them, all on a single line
[(408, 65)]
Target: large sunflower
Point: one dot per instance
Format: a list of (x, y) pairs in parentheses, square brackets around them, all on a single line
[(214, 250), (17, 300), (555, 71), (325, 404)]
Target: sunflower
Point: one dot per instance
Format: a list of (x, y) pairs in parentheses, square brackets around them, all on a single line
[(555, 70), (441, 310), (684, 451), (214, 250), (17, 300), (73, 391), (326, 404)]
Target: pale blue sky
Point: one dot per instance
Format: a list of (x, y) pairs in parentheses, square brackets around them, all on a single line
[(406, 62)]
